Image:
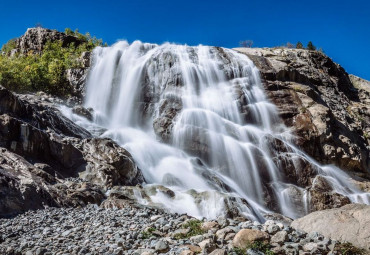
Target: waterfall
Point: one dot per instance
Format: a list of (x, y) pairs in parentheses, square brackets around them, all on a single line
[(197, 121)]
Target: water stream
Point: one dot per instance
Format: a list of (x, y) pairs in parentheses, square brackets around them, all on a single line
[(197, 120)]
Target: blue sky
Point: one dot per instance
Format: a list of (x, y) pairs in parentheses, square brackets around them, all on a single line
[(341, 28)]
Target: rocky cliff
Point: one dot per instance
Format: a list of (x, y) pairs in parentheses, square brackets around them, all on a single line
[(47, 160), (328, 109)]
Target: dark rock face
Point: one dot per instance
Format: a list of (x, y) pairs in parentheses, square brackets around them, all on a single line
[(47, 160), (77, 79), (318, 99), (109, 164)]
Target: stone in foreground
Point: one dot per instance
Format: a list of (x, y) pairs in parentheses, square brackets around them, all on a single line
[(245, 237), (350, 223)]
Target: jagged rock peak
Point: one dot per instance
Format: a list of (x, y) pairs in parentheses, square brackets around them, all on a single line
[(35, 39)]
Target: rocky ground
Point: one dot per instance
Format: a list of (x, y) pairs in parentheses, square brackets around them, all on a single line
[(143, 230)]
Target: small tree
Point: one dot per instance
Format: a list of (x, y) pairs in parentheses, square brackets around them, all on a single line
[(246, 43), (9, 46), (310, 46), (299, 45)]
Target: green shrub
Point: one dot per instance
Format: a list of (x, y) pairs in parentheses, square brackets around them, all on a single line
[(47, 72), (148, 233), (68, 31), (256, 246), (8, 46), (195, 229), (310, 46), (299, 45), (348, 249)]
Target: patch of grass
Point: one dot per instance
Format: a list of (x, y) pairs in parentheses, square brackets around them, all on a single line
[(348, 249), (256, 246), (195, 229), (366, 135), (238, 251), (148, 233)]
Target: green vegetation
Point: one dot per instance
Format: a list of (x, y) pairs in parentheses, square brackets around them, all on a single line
[(256, 246), (348, 249), (299, 45), (47, 71), (148, 233), (7, 48), (195, 229), (310, 46), (366, 135), (88, 40)]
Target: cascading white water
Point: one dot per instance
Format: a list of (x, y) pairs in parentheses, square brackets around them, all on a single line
[(222, 131)]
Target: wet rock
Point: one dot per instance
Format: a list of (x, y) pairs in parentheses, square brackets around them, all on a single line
[(320, 101), (109, 164), (323, 197), (80, 110)]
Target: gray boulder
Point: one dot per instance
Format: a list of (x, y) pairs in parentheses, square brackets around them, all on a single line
[(350, 223)]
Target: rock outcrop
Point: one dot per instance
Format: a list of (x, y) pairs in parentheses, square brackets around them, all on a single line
[(328, 109), (36, 38), (350, 223), (77, 77), (47, 160)]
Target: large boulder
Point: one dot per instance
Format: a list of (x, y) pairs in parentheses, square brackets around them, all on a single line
[(26, 186), (109, 164), (350, 223)]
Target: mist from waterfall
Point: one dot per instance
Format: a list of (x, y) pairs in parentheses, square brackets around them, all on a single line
[(197, 121)]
